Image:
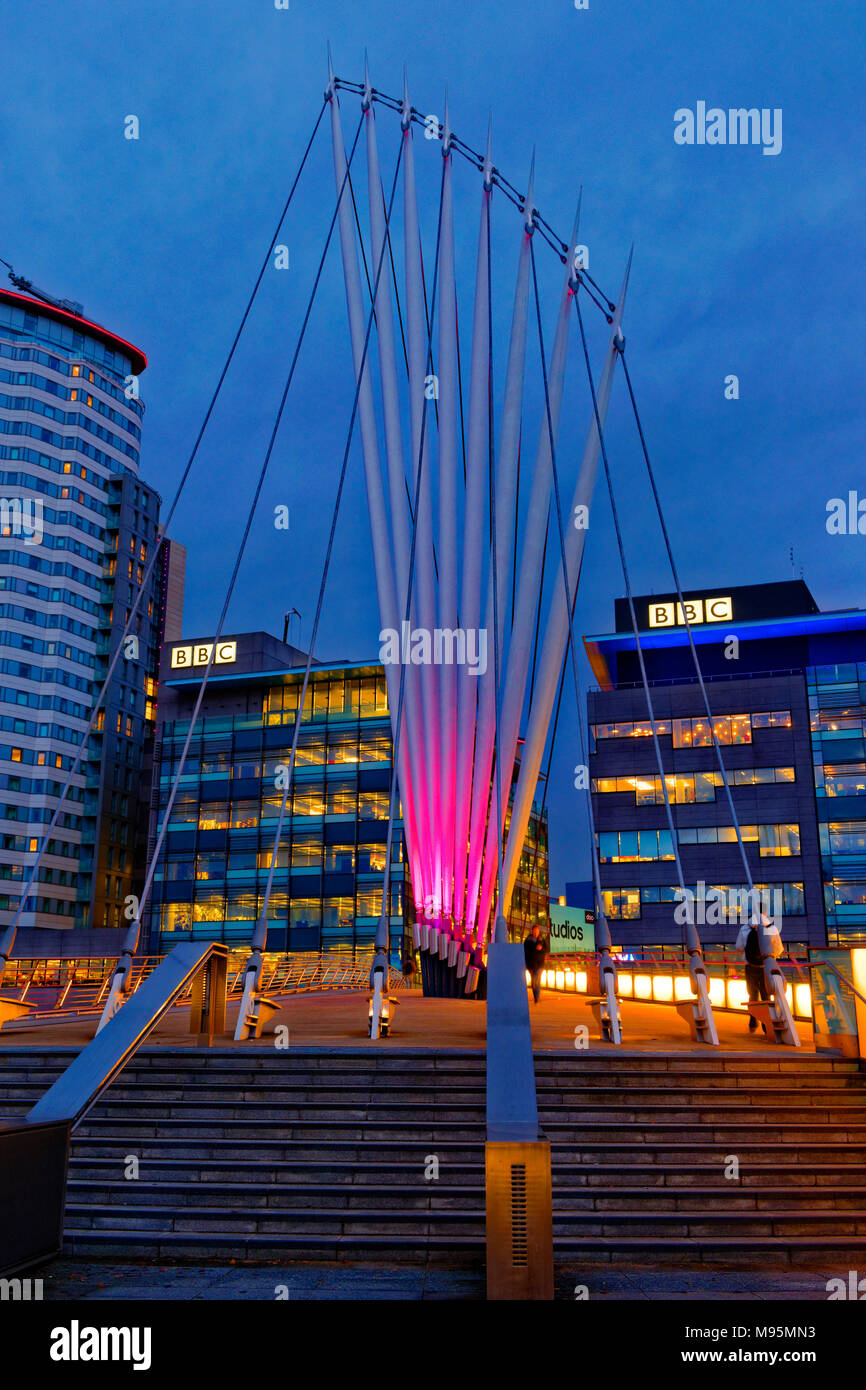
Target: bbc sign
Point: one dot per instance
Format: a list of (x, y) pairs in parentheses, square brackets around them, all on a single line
[(692, 611), (572, 929), (184, 657)]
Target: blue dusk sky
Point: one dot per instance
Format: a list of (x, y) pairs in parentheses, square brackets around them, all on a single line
[(745, 263)]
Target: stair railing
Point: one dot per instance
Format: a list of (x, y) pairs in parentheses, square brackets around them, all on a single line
[(34, 1152)]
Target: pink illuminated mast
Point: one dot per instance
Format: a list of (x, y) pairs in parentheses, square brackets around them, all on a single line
[(457, 736)]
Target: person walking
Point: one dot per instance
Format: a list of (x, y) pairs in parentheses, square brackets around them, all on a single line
[(535, 954), (749, 942)]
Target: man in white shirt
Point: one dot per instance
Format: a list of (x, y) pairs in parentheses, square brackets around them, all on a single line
[(755, 942)]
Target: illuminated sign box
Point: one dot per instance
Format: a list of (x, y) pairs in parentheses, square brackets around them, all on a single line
[(693, 611), (199, 655), (571, 929)]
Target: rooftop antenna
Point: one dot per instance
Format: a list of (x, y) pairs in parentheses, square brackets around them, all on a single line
[(287, 619), (22, 283)]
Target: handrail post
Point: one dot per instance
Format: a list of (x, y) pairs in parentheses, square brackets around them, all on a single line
[(518, 1195), (207, 1011)]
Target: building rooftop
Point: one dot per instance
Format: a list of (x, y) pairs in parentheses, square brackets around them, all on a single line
[(755, 612), (137, 359)]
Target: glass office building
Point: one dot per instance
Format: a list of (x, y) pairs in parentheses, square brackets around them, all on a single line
[(837, 708), (786, 685), (77, 526), (330, 863)]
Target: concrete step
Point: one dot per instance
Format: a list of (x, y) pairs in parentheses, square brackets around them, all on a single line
[(436, 1061), (445, 1195), (728, 1252), (399, 1247), (817, 1121), (415, 1195), (403, 1168), (590, 1152), (577, 1133), (322, 1151), (315, 1221), (695, 1223), (258, 1154), (388, 1090)]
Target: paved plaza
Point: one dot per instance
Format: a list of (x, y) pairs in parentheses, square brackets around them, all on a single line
[(338, 1019)]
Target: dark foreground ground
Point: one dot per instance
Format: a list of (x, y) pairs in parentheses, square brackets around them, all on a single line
[(82, 1279)]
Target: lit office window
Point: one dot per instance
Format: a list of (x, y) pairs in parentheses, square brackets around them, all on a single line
[(343, 747), (715, 834), (634, 846), (369, 902), (311, 750), (375, 748), (305, 912), (847, 837), (772, 719), (309, 801), (340, 859), (621, 903), (373, 805), (209, 906), (306, 852), (847, 892), (371, 859), (845, 779), (176, 917), (339, 913), (779, 841), (210, 866), (241, 907), (263, 860), (342, 801)]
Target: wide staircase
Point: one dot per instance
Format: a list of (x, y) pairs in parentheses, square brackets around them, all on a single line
[(362, 1154)]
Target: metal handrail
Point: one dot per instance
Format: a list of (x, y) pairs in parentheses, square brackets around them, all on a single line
[(828, 965), (96, 1066), (340, 969)]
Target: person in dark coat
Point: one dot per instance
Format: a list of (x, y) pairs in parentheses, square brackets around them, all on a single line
[(535, 954), (749, 942)]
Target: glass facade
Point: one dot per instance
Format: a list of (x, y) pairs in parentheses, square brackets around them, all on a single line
[(767, 759), (625, 904), (837, 710), (76, 529), (330, 862), (788, 704)]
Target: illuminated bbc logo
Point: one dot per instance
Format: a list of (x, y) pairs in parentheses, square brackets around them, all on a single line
[(697, 610), (226, 653)]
